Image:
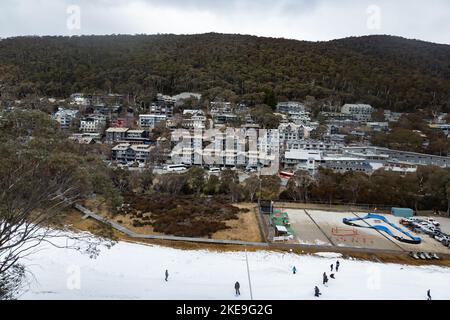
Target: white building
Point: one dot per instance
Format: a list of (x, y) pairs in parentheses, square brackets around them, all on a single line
[(93, 123), (232, 148), (311, 161), (359, 112), (314, 145), (65, 117), (300, 118), (79, 99), (149, 121), (194, 122)]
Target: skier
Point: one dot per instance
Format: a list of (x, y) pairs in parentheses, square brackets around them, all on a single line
[(317, 293), (332, 276), (237, 286), (325, 279), (429, 295), (294, 270), (331, 268), (167, 275), (337, 266)]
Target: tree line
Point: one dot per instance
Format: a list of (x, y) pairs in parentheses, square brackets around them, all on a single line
[(387, 72)]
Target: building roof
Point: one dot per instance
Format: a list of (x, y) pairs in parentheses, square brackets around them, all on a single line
[(303, 155), (282, 229), (152, 116), (117, 130)]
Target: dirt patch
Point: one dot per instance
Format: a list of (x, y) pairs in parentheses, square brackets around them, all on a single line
[(160, 214), (245, 228)]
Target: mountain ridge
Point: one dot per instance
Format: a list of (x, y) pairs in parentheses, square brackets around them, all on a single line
[(387, 71)]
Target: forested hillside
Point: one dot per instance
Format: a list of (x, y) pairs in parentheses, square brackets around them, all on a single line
[(388, 72)]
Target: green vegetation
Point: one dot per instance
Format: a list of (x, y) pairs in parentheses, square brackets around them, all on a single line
[(186, 216), (387, 72), (412, 133), (427, 189)]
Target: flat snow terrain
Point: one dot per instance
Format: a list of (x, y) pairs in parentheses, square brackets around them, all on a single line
[(134, 271)]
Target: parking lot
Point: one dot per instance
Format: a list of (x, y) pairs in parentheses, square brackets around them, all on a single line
[(326, 228)]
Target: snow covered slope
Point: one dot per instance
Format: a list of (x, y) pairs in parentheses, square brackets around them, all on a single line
[(134, 271)]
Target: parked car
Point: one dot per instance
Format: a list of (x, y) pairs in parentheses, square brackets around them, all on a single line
[(433, 222), (441, 237)]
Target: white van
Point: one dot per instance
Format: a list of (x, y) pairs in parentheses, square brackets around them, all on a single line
[(175, 168), (214, 170)]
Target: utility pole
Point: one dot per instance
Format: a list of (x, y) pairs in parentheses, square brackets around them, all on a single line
[(248, 273), (260, 186)]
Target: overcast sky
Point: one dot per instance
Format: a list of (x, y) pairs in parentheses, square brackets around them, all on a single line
[(295, 19)]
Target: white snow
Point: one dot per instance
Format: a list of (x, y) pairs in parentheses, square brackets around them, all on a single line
[(331, 255), (135, 271)]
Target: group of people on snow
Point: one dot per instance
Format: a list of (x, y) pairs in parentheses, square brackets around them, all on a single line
[(317, 293), (325, 279)]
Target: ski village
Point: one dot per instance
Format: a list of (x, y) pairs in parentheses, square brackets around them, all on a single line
[(336, 218)]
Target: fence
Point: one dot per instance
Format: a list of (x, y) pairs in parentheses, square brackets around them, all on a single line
[(357, 206)]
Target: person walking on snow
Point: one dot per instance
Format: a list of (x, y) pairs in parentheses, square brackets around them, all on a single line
[(337, 266), (167, 275), (331, 268), (429, 295), (294, 270), (325, 279), (237, 286), (332, 276), (317, 293)]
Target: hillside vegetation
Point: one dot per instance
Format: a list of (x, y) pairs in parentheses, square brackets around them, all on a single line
[(388, 72)]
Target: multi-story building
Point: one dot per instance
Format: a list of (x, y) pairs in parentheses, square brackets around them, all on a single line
[(162, 108), (314, 145), (378, 126), (444, 128), (93, 123), (300, 118), (126, 153), (359, 112), (232, 148), (312, 160), (195, 122), (390, 116), (65, 117), (290, 132), (149, 121), (116, 134), (291, 107), (382, 155)]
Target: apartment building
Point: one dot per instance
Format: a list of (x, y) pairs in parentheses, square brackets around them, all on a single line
[(359, 112), (65, 117), (149, 121), (127, 152), (93, 124)]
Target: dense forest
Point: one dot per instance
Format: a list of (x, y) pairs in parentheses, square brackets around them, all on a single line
[(387, 72)]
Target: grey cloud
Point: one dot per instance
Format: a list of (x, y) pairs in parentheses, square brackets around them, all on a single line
[(300, 19)]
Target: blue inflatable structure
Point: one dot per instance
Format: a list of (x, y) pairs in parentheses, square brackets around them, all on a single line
[(411, 239)]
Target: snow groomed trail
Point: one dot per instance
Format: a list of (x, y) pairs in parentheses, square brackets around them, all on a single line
[(136, 271)]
